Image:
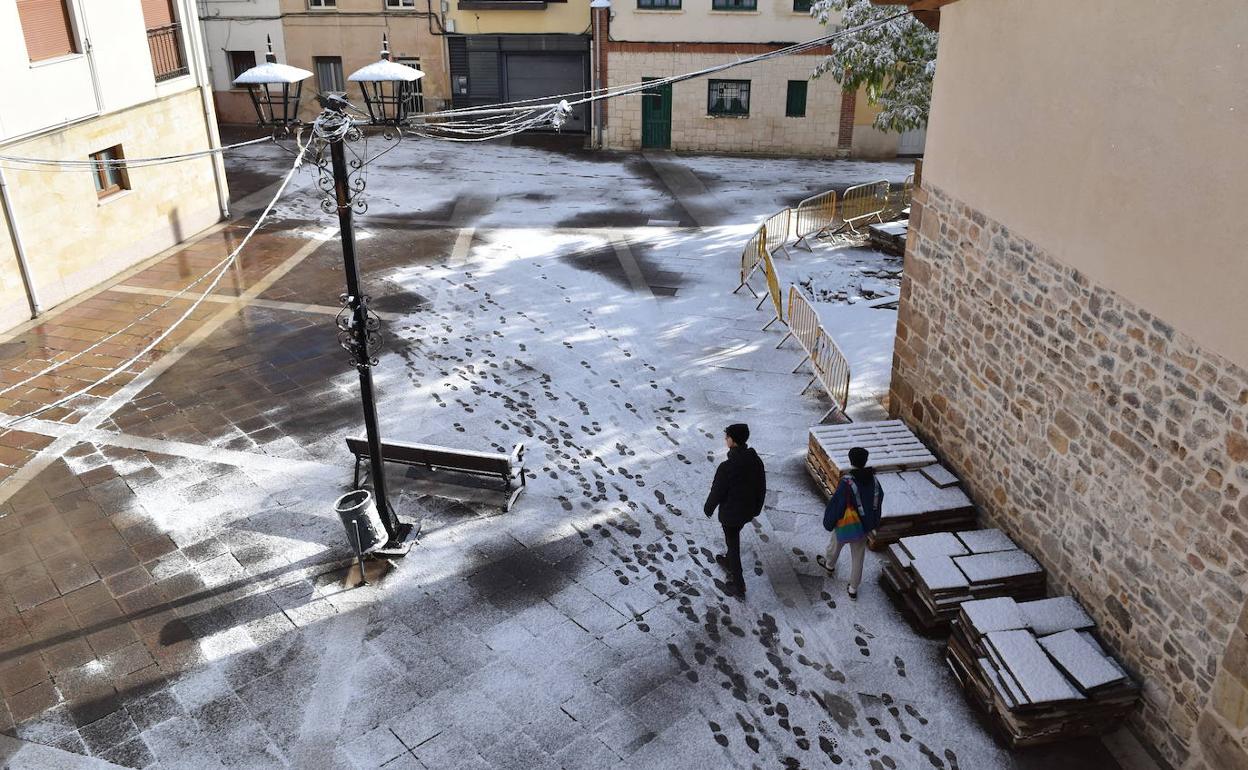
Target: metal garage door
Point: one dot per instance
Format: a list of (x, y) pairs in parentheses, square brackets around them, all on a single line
[(536, 75)]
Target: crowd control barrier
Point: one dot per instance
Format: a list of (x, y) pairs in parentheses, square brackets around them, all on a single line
[(777, 232), (813, 216), (831, 368), (862, 203), (773, 289), (751, 258)]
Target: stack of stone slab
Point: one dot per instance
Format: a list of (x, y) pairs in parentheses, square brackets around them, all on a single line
[(920, 495), (1038, 669), (934, 574)]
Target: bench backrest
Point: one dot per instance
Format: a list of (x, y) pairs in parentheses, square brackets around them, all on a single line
[(442, 457)]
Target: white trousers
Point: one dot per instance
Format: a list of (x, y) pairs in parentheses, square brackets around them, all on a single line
[(857, 551)]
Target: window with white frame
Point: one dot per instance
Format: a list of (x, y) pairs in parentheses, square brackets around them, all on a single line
[(400, 5), (322, 3)]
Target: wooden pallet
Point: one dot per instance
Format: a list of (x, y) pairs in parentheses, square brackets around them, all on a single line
[(1038, 687), (892, 445)]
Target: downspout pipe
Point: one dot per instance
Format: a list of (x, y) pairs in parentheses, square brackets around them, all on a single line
[(198, 52), (19, 248)]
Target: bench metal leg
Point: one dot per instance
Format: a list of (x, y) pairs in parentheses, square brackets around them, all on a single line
[(356, 480)]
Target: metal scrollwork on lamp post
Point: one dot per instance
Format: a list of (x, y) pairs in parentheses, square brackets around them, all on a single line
[(336, 132)]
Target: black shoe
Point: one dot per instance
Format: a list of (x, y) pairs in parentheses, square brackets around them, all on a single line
[(721, 560)]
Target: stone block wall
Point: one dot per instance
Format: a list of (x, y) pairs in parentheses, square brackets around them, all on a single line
[(766, 130), (75, 240), (1106, 442)]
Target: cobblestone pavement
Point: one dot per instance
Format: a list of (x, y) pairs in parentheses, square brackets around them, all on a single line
[(172, 568)]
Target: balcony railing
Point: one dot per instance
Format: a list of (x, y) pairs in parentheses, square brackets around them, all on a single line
[(165, 44)]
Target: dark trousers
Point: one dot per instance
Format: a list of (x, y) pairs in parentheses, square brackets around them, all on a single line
[(732, 545)]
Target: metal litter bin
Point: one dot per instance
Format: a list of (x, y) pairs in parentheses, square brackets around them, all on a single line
[(360, 519)]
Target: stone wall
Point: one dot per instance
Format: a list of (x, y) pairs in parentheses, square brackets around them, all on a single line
[(75, 240), (766, 130), (1103, 440)]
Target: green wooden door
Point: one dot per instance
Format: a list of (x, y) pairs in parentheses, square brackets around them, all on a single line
[(656, 116)]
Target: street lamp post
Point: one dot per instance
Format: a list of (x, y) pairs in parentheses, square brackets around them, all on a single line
[(359, 330)]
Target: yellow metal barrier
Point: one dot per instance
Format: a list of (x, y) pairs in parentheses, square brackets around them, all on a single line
[(907, 192), (863, 203), (777, 229), (751, 258), (814, 216), (831, 368), (773, 289)]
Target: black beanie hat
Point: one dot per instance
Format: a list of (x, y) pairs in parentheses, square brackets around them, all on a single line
[(858, 457), (739, 432)]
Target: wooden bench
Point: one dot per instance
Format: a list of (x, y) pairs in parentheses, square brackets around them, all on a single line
[(507, 467)]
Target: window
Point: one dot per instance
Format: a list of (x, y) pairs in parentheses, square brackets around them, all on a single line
[(413, 95), (801, 6), (322, 3), (728, 97), (795, 100), (47, 28), (400, 4), (667, 5), (329, 74), (734, 5), (111, 178), (240, 62)]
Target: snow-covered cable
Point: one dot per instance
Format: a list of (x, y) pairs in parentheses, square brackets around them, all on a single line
[(221, 269)]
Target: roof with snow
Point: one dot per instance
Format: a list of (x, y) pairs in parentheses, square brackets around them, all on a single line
[(272, 72), (385, 71)]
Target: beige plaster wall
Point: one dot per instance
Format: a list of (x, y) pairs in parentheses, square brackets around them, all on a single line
[(767, 130), (75, 240), (695, 21), (1111, 134), (569, 18), (357, 39)]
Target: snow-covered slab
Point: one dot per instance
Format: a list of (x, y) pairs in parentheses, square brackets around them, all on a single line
[(1007, 689), (935, 544), (900, 555), (998, 565), (1000, 614), (1081, 661), (939, 573), (1023, 657), (1048, 616), (910, 493), (939, 475), (986, 540)]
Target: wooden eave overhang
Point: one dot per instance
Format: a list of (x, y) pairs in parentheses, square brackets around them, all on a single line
[(926, 11)]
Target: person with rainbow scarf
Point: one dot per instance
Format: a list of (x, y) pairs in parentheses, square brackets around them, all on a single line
[(851, 514)]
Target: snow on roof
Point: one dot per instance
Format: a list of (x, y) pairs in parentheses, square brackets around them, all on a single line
[(272, 72), (385, 71)]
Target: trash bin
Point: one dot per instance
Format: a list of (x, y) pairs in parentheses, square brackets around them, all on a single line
[(358, 512)]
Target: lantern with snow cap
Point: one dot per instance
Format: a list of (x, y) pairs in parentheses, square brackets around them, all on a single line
[(270, 86), (384, 84)]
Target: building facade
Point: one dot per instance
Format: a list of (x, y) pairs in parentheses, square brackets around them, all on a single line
[(237, 36), (99, 79), (1071, 337), (329, 38), (771, 107), (509, 50)]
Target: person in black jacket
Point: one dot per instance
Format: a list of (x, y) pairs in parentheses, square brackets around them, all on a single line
[(738, 491)]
